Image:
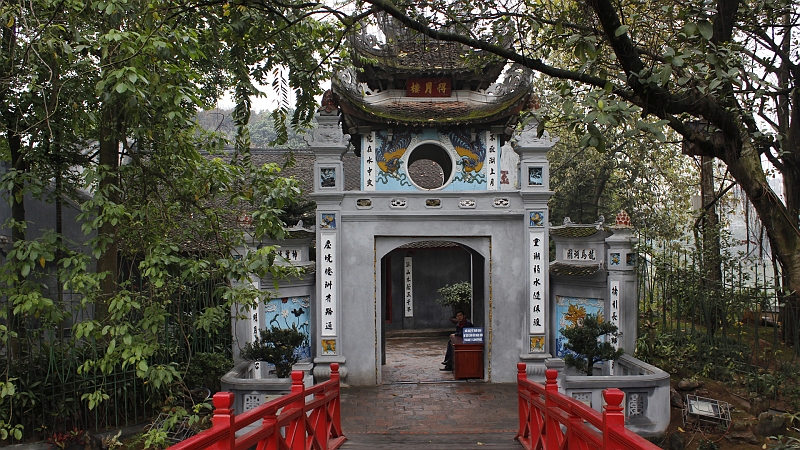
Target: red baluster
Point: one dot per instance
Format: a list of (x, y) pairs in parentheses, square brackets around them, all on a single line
[(336, 415), (223, 418), (552, 428), (613, 416), (298, 427), (524, 406)]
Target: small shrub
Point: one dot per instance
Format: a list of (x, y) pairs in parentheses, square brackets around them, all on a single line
[(206, 369), (456, 295), (583, 340), (276, 346), (66, 440)]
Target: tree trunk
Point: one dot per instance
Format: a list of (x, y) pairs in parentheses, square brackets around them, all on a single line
[(109, 159), (784, 237), (710, 248)]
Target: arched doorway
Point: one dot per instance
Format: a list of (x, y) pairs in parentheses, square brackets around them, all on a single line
[(415, 327)]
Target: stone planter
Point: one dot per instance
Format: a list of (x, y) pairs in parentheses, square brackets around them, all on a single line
[(252, 388)]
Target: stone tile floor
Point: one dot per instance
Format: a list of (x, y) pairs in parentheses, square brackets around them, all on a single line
[(418, 406), (415, 360)]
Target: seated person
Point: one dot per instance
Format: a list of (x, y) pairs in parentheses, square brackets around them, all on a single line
[(461, 322)]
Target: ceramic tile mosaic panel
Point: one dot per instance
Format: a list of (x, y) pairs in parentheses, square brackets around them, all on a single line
[(288, 312), (535, 177), (572, 310), (327, 177), (385, 157)]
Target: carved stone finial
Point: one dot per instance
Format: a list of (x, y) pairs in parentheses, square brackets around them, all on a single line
[(328, 104), (567, 220), (327, 133), (529, 136), (623, 220)]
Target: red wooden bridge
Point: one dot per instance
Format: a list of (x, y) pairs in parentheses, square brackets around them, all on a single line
[(305, 419), (551, 420), (309, 419)]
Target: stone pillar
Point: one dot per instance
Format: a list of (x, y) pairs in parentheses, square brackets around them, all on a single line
[(535, 191), (329, 145), (622, 305)]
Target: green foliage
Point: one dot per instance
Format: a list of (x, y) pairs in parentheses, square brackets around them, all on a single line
[(206, 369), (457, 294), (687, 355), (783, 443), (276, 346), (706, 444), (583, 341)]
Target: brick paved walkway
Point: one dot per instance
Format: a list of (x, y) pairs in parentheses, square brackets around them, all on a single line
[(417, 406)]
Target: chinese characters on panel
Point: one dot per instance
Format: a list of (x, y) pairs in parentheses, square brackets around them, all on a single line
[(429, 87), (408, 302), (580, 254), (493, 163), (613, 312), (329, 304), (538, 269), (368, 161)]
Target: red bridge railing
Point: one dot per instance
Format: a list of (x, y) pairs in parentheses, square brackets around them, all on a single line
[(305, 419), (549, 420)]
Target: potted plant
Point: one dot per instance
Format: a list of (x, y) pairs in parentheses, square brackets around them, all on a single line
[(276, 346), (457, 296)]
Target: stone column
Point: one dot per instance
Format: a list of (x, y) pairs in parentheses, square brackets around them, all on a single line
[(329, 145), (534, 178), (622, 305)]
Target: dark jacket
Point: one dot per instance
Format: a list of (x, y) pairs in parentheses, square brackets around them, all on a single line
[(461, 325)]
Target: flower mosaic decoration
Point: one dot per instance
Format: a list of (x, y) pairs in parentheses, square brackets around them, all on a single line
[(535, 177), (288, 312), (329, 346), (570, 311), (537, 344), (327, 221), (327, 177), (536, 219), (615, 259)]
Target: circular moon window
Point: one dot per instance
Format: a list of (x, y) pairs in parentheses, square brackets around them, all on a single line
[(429, 166)]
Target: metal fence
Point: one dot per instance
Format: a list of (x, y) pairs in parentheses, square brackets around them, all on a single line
[(50, 387), (727, 329)]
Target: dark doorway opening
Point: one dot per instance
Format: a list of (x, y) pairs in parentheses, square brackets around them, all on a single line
[(414, 344)]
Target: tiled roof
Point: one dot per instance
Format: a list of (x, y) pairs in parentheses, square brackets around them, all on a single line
[(575, 270), (428, 244), (574, 231), (430, 111), (303, 170)]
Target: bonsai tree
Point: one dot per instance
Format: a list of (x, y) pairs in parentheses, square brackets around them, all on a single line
[(458, 296), (583, 340), (276, 346)]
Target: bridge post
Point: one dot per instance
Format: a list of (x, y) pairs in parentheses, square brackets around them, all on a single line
[(336, 413), (522, 412), (613, 417), (552, 427), (298, 428), (224, 418)]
